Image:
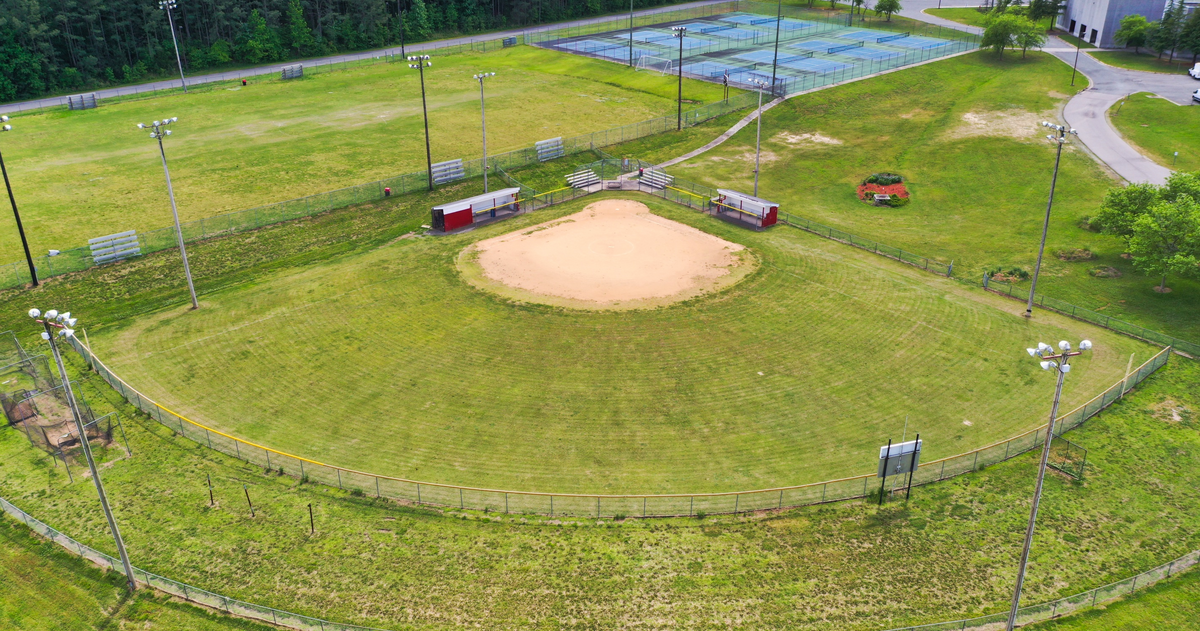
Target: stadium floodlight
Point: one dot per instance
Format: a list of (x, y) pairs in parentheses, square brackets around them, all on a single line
[(681, 33), (13, 201), (423, 62), (160, 130), (758, 135), (483, 116), (64, 324), (1059, 139), (775, 57), (1060, 362), (167, 5), (630, 33)]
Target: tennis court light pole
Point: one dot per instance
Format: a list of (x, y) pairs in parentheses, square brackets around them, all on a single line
[(13, 200), (422, 63), (679, 31), (1060, 139), (167, 5), (758, 136), (630, 33), (62, 325), (483, 116), (158, 133), (1045, 353), (774, 61)]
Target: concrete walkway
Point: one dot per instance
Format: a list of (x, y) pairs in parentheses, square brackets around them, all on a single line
[(423, 47)]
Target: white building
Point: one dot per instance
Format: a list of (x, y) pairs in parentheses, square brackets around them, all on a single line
[(1095, 21)]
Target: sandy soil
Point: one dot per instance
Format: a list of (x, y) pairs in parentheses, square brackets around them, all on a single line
[(613, 253)]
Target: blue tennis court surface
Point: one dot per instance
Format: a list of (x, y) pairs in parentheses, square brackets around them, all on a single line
[(866, 36), (816, 45), (918, 42), (588, 45), (707, 27), (712, 69), (621, 53), (742, 18), (762, 56), (868, 53), (650, 36), (809, 64), (789, 24), (667, 39)]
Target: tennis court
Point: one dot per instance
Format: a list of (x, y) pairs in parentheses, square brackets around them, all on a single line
[(589, 45), (867, 36), (621, 53), (870, 53), (789, 24), (809, 64), (747, 18), (817, 45), (713, 69), (668, 39), (919, 42)]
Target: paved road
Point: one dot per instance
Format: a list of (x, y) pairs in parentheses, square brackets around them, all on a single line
[(233, 75)]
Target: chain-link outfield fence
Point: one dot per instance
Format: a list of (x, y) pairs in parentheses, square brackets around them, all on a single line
[(1026, 615), (597, 505), (1087, 315), (1070, 604)]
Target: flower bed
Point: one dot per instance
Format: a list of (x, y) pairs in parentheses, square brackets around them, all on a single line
[(888, 184)]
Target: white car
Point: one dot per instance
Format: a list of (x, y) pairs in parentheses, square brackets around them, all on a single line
[(1196, 96), (1194, 71)]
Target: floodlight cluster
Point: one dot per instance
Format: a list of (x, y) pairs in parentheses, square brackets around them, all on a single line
[(484, 75), (159, 127), (166, 4), (422, 61), (1045, 352), (679, 30), (1062, 132), (4, 119), (63, 321)]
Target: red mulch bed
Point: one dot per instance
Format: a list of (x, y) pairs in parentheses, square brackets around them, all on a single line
[(895, 190)]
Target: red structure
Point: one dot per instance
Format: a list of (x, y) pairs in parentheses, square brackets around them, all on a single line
[(760, 213), (462, 213)]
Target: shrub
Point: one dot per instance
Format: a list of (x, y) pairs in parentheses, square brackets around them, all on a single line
[(1012, 274), (701, 514), (883, 179)]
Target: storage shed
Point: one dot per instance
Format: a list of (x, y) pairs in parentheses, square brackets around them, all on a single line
[(758, 212), (462, 213)]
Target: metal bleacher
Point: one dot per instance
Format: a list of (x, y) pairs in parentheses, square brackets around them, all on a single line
[(448, 171), (114, 247), (583, 179), (657, 179)]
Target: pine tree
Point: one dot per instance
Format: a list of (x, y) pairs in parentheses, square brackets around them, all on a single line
[(416, 21), (297, 37)]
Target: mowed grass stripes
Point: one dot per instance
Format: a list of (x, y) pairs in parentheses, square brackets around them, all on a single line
[(388, 362)]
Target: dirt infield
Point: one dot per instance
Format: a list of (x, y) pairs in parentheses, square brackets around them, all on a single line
[(614, 254)]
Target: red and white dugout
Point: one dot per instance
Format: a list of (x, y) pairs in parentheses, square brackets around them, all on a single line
[(462, 213), (759, 212)]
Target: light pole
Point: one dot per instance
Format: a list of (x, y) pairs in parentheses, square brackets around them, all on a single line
[(1045, 353), (680, 32), (1059, 139), (758, 136), (62, 325), (483, 117), (422, 63), (775, 59), (1076, 64), (13, 200), (630, 33), (160, 130), (167, 5)]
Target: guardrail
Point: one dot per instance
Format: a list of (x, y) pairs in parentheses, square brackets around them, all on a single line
[(590, 504)]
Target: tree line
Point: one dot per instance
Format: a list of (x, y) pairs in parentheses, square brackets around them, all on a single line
[(50, 46), (1177, 30), (1011, 24)]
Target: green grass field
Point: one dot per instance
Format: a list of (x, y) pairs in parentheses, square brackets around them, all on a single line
[(1159, 128), (965, 133), (79, 175), (449, 384), (1170, 605), (378, 563), (1145, 61), (968, 16)]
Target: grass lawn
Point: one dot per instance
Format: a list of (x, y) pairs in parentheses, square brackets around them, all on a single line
[(78, 175), (382, 564), (47, 589), (1071, 39), (1159, 128), (1172, 605), (1145, 61), (704, 395), (966, 134), (969, 16)]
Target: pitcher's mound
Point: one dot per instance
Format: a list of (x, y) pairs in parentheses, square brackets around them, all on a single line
[(614, 254)]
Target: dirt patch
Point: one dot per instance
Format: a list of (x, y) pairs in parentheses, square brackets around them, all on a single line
[(1105, 271), (1171, 411), (916, 112), (1057, 95), (1078, 254), (815, 138), (614, 254), (1008, 124)]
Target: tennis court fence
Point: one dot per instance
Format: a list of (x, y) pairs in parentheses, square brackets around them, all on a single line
[(598, 505)]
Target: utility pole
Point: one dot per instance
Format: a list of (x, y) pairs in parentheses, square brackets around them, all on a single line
[(422, 63), (1059, 139), (13, 200)]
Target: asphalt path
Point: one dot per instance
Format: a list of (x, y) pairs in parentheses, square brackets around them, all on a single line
[(422, 47)]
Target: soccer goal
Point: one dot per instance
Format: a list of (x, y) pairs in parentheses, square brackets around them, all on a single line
[(657, 64)]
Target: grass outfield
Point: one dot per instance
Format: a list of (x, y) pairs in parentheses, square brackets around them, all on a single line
[(846, 566), (1145, 61), (1171, 605), (388, 362), (47, 589), (1159, 128), (968, 16), (965, 133), (78, 175)]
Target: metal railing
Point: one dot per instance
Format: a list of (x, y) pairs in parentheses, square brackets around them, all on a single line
[(1093, 317), (599, 505)]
